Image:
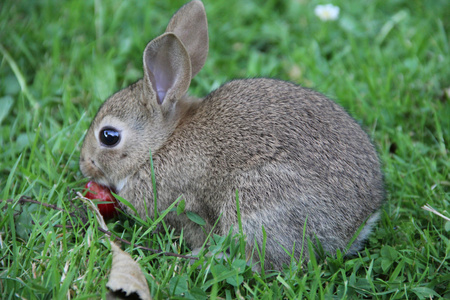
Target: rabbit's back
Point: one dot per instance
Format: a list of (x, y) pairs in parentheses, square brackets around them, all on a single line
[(246, 123)]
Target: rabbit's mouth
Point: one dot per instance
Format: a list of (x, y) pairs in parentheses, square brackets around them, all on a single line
[(94, 172)]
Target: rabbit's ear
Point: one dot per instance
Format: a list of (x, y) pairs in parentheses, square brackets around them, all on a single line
[(167, 69), (189, 24)]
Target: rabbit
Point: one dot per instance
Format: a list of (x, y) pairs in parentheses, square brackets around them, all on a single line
[(297, 159)]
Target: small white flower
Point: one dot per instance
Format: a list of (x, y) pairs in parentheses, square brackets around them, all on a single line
[(327, 12)]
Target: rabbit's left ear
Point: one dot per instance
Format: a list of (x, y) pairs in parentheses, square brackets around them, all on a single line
[(167, 70), (189, 24)]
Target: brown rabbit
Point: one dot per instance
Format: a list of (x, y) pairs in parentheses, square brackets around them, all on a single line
[(294, 156)]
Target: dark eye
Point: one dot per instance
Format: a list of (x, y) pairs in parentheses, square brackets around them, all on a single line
[(109, 136)]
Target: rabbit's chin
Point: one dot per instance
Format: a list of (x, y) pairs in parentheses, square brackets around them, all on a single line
[(119, 186)]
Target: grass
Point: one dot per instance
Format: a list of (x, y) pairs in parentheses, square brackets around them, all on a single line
[(387, 62)]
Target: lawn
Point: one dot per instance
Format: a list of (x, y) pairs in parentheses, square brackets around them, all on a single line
[(386, 62)]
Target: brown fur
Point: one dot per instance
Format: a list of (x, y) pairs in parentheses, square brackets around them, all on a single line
[(292, 154)]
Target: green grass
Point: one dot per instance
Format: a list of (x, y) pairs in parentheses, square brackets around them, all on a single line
[(386, 62)]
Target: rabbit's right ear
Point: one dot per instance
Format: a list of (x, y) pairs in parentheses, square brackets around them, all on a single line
[(167, 70), (190, 25), (172, 59)]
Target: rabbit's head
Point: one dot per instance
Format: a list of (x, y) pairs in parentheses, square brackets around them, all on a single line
[(142, 116)]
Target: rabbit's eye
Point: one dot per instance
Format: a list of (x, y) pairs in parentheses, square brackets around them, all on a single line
[(109, 136)]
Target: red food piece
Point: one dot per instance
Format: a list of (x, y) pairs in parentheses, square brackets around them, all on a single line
[(96, 191)]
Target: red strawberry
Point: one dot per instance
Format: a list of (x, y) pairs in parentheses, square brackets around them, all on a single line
[(102, 193)]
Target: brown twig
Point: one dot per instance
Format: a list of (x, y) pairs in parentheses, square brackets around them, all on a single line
[(25, 199)]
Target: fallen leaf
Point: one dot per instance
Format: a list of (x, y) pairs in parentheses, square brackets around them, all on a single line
[(126, 279)]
